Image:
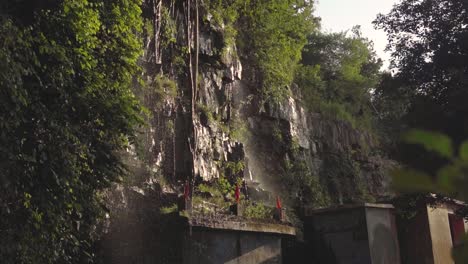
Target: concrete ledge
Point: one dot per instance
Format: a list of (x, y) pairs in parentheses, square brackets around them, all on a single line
[(312, 211), (245, 225)]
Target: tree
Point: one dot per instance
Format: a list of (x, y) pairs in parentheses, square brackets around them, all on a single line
[(429, 44), (338, 71), (66, 111), (272, 35), (391, 100)]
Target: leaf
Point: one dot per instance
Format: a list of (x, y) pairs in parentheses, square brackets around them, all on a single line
[(464, 151), (431, 141), (409, 180), (445, 178)]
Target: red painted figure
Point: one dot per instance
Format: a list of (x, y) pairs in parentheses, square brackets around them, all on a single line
[(278, 202), (237, 194), (187, 190), (279, 211)]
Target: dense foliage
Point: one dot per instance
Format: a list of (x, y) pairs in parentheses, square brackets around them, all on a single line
[(428, 90), (330, 73), (449, 182), (272, 35), (337, 74), (66, 110)]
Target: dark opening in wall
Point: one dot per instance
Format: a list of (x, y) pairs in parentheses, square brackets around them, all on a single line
[(457, 228)]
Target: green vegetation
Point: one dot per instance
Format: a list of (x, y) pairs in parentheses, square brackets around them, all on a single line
[(343, 177), (271, 37), (427, 93), (299, 185), (336, 71), (337, 74), (224, 15), (207, 112), (234, 167), (239, 129), (257, 211), (429, 90), (337, 111), (222, 196), (224, 186), (236, 128), (169, 209), (67, 110), (168, 28), (450, 180), (220, 190), (160, 90)]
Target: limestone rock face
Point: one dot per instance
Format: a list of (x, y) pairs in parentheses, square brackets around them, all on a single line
[(217, 87), (230, 125), (346, 161)]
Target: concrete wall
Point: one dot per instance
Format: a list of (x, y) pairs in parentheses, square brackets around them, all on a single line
[(426, 238), (339, 237), (353, 234), (415, 240), (440, 235), (382, 234), (206, 246)]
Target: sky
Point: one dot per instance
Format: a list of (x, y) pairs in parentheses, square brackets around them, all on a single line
[(341, 15)]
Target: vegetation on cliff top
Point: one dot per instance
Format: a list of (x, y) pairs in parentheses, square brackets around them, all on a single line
[(272, 36), (336, 76)]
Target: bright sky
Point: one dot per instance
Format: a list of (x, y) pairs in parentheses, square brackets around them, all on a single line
[(341, 15)]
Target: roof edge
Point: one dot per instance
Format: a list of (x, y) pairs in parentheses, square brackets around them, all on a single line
[(312, 211)]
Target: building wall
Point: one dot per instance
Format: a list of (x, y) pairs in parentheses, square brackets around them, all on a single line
[(339, 237), (440, 235), (206, 246), (415, 239), (383, 238)]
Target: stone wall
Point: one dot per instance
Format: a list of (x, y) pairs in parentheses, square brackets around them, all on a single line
[(382, 235), (231, 247), (353, 234), (339, 237)]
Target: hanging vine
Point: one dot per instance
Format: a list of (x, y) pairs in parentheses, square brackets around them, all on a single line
[(193, 33)]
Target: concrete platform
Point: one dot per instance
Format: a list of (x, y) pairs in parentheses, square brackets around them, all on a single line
[(240, 224), (229, 240)]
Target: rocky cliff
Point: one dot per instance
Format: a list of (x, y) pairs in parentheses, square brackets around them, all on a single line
[(206, 122)]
